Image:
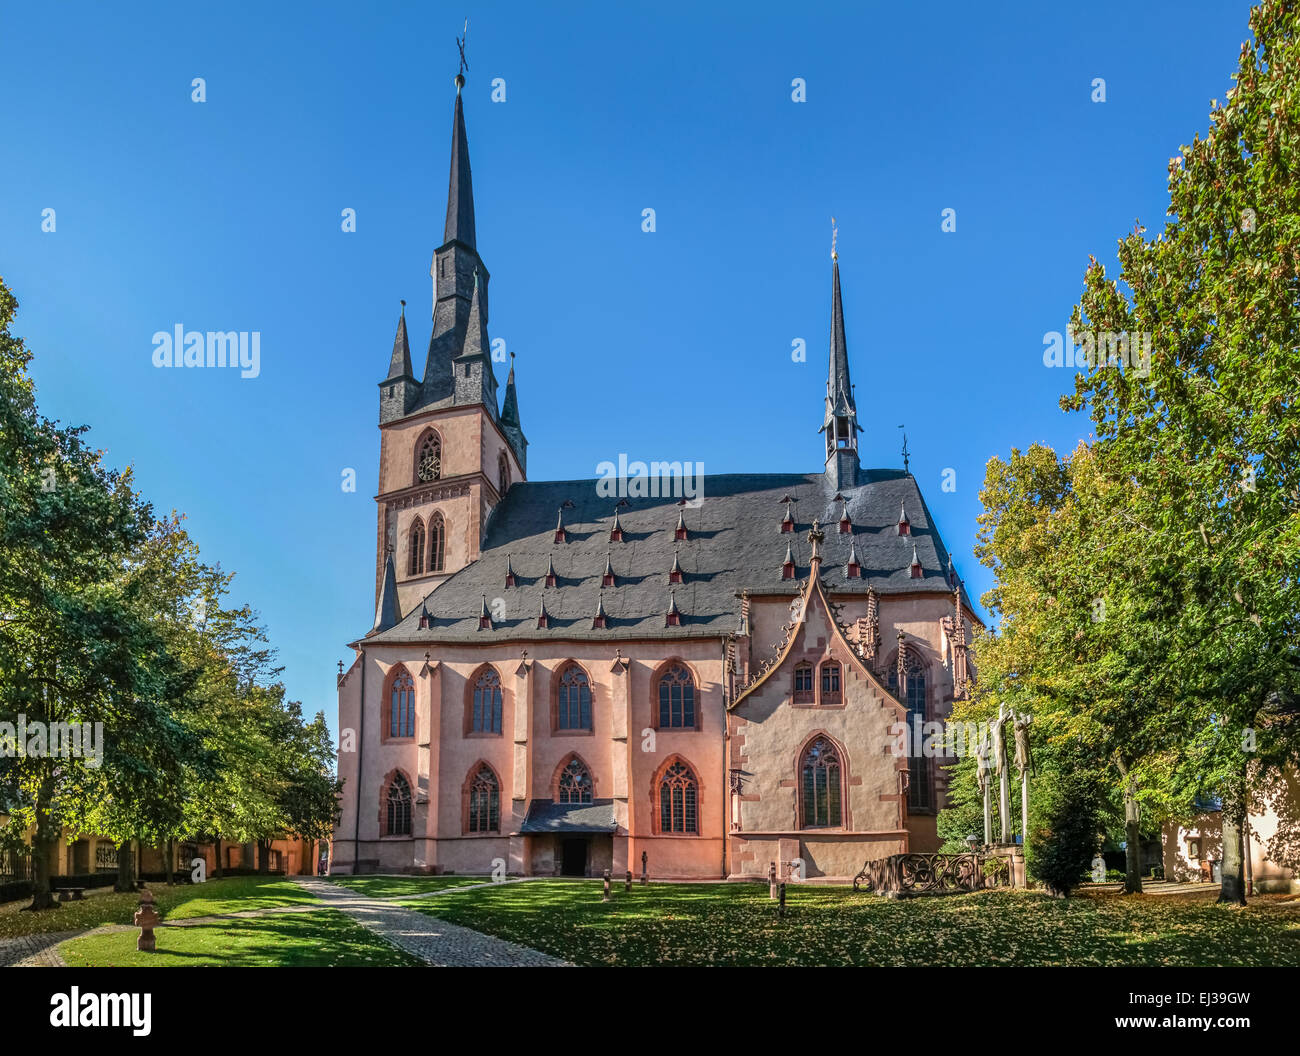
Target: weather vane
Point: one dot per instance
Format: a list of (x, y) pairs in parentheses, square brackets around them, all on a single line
[(905, 469), (834, 234), (460, 43)]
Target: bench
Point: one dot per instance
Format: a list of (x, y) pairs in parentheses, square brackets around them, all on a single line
[(70, 894)]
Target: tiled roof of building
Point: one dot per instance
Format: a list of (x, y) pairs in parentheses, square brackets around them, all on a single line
[(545, 815), (733, 543)]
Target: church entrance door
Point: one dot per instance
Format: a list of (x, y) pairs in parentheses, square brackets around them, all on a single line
[(573, 861)]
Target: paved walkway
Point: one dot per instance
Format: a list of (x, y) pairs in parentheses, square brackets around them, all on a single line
[(434, 941)]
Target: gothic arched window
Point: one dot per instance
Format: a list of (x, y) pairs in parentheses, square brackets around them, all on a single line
[(820, 786), (398, 807), (415, 546), (573, 700), (575, 783), (486, 713), (920, 785), (401, 706), (679, 796), (428, 458), (437, 543), (484, 807), (676, 694)]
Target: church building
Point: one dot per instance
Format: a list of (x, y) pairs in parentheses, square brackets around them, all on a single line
[(559, 682)]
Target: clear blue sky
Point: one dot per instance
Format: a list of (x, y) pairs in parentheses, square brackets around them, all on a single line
[(225, 215)]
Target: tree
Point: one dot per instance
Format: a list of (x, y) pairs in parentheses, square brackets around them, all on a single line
[(1207, 432)]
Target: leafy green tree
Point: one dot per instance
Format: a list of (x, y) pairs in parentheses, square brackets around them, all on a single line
[(1207, 434)]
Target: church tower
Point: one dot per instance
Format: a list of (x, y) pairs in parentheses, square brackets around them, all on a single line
[(840, 423), (448, 455)]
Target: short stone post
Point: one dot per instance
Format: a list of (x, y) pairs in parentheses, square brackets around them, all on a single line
[(645, 868), (605, 897), (627, 887), (146, 919), (780, 909), (771, 881)]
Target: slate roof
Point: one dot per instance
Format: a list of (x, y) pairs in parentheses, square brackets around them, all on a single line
[(734, 543), (545, 815)]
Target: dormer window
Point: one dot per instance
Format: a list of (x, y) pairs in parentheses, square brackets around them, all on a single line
[(550, 573), (510, 572), (904, 526), (607, 577), (675, 573), (484, 617), (853, 570), (680, 532), (787, 566), (915, 568), (673, 618), (542, 617), (616, 530)]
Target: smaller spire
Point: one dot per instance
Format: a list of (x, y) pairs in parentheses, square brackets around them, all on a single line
[(560, 534), (400, 365), (616, 529), (904, 525), (607, 577), (915, 567), (542, 617), (675, 573), (510, 404), (484, 616), (846, 525), (388, 612), (600, 619), (550, 572), (510, 571), (679, 533)]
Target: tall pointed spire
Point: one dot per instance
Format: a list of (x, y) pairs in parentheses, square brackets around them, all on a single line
[(460, 193), (840, 423)]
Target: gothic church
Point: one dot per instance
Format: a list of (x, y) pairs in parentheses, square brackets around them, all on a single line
[(556, 684)]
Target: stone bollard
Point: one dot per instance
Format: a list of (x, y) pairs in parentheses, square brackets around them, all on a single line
[(605, 896), (780, 909), (146, 918), (771, 881), (645, 868), (628, 884)]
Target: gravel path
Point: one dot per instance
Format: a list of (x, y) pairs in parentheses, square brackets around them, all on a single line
[(434, 941)]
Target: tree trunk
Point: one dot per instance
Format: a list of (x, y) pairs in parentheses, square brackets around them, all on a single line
[(263, 856), (1232, 889), (1132, 837), (125, 866), (216, 871), (44, 840), (171, 863)]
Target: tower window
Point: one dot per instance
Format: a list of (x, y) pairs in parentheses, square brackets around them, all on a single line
[(437, 543), (415, 546), (428, 462)]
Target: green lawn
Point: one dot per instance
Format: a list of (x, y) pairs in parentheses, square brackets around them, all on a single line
[(174, 903), (321, 938), (396, 886), (713, 924)]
